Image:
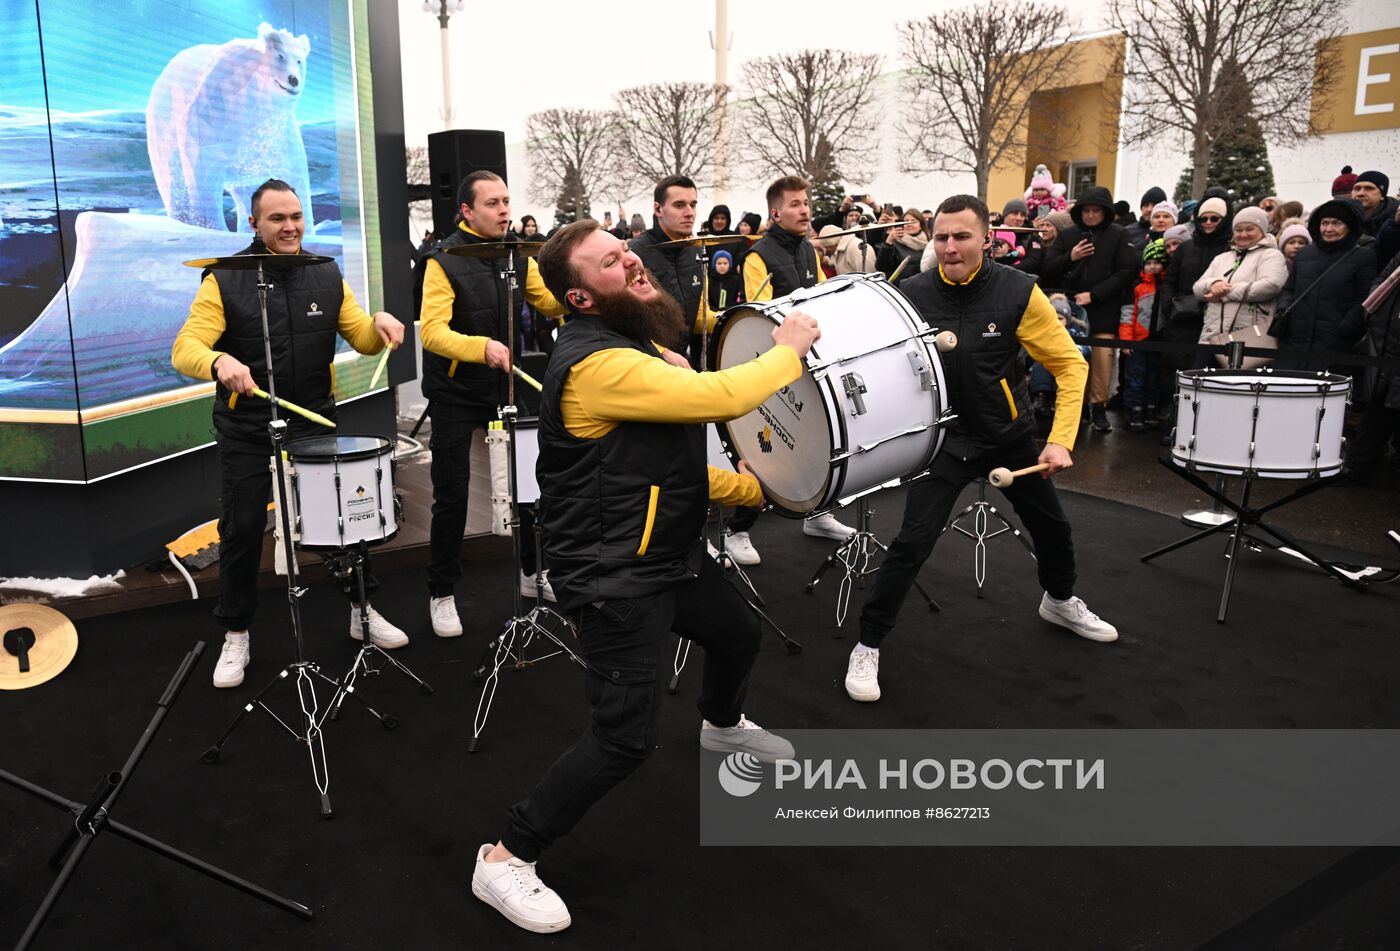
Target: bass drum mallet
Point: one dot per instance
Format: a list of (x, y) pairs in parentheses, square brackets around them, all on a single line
[(1001, 477)]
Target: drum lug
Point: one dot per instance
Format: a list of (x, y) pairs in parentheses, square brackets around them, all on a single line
[(921, 369), (854, 386)]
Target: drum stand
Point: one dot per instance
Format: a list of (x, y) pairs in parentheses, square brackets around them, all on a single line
[(93, 818), (1245, 518), (522, 627), (352, 562), (305, 672), (854, 555), (982, 512)]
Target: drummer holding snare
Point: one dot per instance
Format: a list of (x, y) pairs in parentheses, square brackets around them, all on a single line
[(222, 341), (995, 311)]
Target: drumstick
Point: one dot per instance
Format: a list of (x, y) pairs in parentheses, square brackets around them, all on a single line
[(379, 370), (895, 276), (1001, 477), (758, 292), (294, 408), (539, 387)]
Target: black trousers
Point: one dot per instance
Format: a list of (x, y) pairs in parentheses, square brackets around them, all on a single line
[(628, 646), (451, 472), (244, 492), (926, 510)]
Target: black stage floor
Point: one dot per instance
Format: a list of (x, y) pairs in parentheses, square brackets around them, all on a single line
[(392, 868)]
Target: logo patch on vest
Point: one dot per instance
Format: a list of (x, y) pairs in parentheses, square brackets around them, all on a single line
[(315, 310), (992, 331)]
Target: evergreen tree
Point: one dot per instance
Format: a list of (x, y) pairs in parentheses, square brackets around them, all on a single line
[(572, 204), (1239, 158), (827, 190)]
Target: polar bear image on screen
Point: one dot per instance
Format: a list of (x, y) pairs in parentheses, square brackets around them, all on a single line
[(222, 118)]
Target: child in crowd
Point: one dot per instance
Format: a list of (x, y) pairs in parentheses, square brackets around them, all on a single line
[(1292, 239), (1042, 380), (1136, 323), (1044, 193)]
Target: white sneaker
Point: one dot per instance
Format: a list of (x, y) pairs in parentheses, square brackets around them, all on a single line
[(1075, 615), (745, 736), (740, 547), (443, 611), (826, 526), (532, 585), (234, 656), (382, 634), (513, 889), (863, 676)]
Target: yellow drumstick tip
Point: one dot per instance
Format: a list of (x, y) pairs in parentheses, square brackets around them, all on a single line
[(294, 408)]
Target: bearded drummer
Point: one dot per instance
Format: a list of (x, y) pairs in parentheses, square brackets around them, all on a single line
[(624, 488), (995, 311), (222, 340)]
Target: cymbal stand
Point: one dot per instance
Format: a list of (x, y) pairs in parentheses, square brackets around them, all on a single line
[(982, 513), (93, 818), (521, 628), (352, 562), (854, 554), (304, 673), (728, 565)]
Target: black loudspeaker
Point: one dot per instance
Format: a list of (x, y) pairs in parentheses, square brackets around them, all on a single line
[(452, 156)]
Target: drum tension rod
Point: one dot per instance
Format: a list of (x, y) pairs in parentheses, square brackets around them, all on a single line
[(854, 384)]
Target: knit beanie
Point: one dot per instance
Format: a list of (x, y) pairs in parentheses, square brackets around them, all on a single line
[(1341, 185), (722, 254), (1016, 204), (1252, 216), (1294, 231), (1212, 206), (1154, 251), (1177, 233), (1061, 220), (1041, 178), (1153, 196), (1169, 208), (1379, 179)]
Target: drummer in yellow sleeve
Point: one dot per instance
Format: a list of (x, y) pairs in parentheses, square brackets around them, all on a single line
[(222, 340), (995, 311), (467, 352), (624, 489)]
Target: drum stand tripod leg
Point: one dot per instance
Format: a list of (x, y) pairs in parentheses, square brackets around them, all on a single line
[(982, 512), (854, 555)]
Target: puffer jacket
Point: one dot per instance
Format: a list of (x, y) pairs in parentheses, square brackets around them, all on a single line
[(1256, 276), (1109, 272), (1325, 301)]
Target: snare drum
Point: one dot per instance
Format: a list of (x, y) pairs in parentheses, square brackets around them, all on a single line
[(1275, 424), (342, 491), (864, 414)]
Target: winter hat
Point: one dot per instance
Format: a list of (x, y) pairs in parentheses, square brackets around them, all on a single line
[(1212, 206), (828, 243), (638, 224), (1177, 233), (1061, 305), (1379, 179), (714, 258), (1061, 220), (1016, 204), (1169, 208), (754, 221), (1153, 196), (1252, 216), (1122, 209), (1188, 209), (1041, 178), (1294, 231), (1154, 251), (1341, 185)]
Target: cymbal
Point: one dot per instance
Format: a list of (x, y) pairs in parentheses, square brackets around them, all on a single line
[(497, 249), (250, 262), (709, 240), (861, 229), (36, 644)]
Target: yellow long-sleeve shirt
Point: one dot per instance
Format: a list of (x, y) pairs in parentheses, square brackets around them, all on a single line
[(1050, 345), (624, 385), (756, 272), (436, 314), (193, 353)]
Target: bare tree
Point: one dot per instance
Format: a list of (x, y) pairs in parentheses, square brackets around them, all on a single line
[(973, 73), (1175, 68), (416, 165), (573, 151), (799, 99), (669, 129)]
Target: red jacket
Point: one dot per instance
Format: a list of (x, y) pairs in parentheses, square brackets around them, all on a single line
[(1135, 319)]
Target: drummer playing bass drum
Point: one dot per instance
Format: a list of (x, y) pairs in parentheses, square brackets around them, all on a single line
[(995, 311), (222, 340)]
